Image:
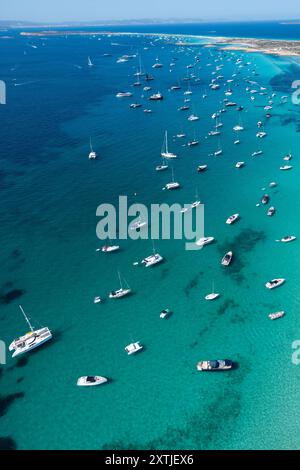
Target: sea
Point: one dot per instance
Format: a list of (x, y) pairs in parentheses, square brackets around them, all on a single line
[(50, 191)]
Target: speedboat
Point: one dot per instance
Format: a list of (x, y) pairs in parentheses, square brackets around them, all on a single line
[(133, 348), (274, 283), (288, 238), (109, 248), (286, 167), (258, 152), (226, 260), (165, 313), (152, 260), (274, 316), (219, 364), (265, 199), (31, 340), (204, 241), (232, 219), (156, 97), (271, 211), (91, 381), (123, 94), (201, 168), (239, 164)]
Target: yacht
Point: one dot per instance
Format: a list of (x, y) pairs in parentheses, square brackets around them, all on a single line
[(215, 365), (156, 97), (91, 381), (109, 248), (238, 128), (175, 87), (204, 241), (265, 199), (232, 219), (274, 316), (165, 151), (271, 211), (229, 104), (135, 105), (152, 260), (138, 224), (288, 238), (173, 184), (183, 108), (147, 88), (165, 313), (162, 167), (195, 204), (92, 154), (213, 133), (157, 65), (193, 142), (286, 167), (213, 294), (274, 283), (226, 260), (201, 168), (117, 294), (90, 63), (133, 348), (180, 135), (258, 152), (239, 164), (218, 152), (123, 94), (30, 340), (193, 117)]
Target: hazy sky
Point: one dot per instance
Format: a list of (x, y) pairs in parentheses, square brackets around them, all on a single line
[(88, 10)]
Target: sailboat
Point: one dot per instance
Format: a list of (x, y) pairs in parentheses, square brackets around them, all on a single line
[(197, 202), (173, 184), (213, 294), (90, 63), (219, 150), (165, 151), (117, 294), (30, 340), (163, 166), (153, 259), (92, 154)]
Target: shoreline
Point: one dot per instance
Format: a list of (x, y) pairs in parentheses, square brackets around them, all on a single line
[(278, 47)]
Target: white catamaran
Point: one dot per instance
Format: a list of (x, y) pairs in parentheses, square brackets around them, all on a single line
[(30, 340)]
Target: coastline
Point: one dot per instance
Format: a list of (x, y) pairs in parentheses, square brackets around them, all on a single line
[(280, 47)]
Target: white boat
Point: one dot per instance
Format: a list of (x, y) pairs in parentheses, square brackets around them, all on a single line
[(157, 64), (90, 63), (239, 164), (238, 128), (286, 167), (30, 340), (201, 168), (213, 295), (135, 105), (288, 238), (226, 260), (148, 111), (110, 248), (193, 117), (236, 142), (91, 381), (174, 184), (195, 204), (97, 300), (204, 241), (156, 97), (162, 167), (92, 154), (287, 157), (215, 365), (180, 135), (232, 219), (273, 184), (165, 313), (117, 294), (274, 283), (123, 94), (165, 150), (193, 142), (138, 224), (258, 152), (261, 134), (133, 348), (274, 316), (271, 211), (151, 260), (218, 152)]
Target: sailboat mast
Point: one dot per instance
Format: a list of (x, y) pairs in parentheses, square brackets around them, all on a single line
[(166, 137), (25, 316), (120, 280)]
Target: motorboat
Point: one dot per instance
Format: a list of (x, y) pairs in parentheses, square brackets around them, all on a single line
[(138, 224), (273, 184), (193, 117), (201, 168), (156, 97), (256, 153), (31, 340), (135, 105), (239, 164), (97, 300), (204, 241), (215, 365), (265, 199), (180, 135), (133, 348), (195, 204), (274, 316), (183, 108), (147, 110), (287, 157), (193, 142), (213, 295), (165, 313), (91, 381), (274, 283), (226, 260), (151, 260), (110, 248), (271, 211), (261, 134), (233, 218), (92, 154), (288, 238), (286, 167)]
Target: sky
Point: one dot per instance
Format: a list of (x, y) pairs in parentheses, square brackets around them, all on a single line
[(89, 10)]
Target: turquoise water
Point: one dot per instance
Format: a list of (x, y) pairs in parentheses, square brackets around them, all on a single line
[(50, 192)]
